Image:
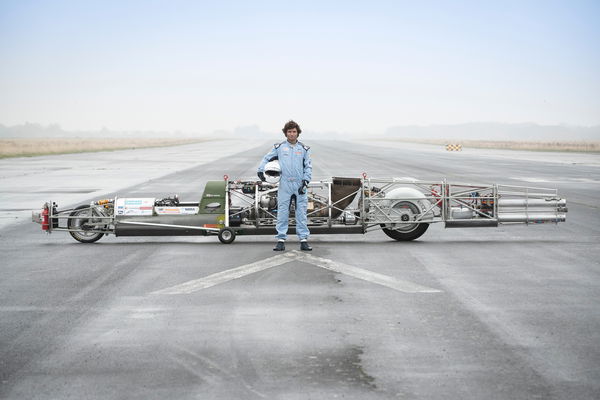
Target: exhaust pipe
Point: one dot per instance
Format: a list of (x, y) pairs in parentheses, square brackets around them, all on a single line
[(531, 218), (533, 203)]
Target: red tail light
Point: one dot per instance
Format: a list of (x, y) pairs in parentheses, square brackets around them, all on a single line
[(45, 222)]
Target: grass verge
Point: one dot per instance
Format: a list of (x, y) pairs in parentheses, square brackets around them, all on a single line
[(45, 146), (584, 146)]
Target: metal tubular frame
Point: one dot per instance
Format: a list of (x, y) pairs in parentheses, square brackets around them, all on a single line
[(60, 216), (371, 208), (437, 203)]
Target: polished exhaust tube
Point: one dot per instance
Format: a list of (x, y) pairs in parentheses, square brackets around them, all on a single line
[(533, 203), (531, 218)]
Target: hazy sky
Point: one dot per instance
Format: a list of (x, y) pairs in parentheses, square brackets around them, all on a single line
[(346, 66)]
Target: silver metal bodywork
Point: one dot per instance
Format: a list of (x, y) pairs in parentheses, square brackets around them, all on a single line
[(366, 204), (376, 204)]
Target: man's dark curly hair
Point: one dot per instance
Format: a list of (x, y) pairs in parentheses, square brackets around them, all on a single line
[(291, 125)]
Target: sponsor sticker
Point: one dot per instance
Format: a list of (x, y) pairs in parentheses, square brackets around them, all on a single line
[(135, 206), (176, 210)]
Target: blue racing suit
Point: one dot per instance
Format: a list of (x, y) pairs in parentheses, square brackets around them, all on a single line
[(296, 167)]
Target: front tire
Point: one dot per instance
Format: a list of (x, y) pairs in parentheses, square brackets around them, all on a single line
[(226, 235), (83, 224)]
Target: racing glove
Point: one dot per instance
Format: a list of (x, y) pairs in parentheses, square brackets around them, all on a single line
[(261, 176), (302, 189)]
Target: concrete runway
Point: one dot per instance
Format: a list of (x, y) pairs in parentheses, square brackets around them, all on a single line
[(514, 311), (77, 177)]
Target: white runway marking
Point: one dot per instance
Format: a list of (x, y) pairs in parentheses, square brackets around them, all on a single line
[(239, 272), (365, 275), (532, 180), (226, 276), (558, 179), (406, 178)]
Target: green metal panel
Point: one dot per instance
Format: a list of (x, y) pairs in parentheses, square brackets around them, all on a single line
[(213, 200)]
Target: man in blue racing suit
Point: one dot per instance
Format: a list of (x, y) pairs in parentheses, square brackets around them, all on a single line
[(296, 172)]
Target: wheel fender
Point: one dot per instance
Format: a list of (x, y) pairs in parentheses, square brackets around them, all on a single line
[(408, 194)]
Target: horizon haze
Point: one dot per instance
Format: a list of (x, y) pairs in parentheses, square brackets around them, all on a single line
[(469, 131), (348, 67)]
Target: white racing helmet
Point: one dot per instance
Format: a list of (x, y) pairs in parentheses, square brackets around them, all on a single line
[(272, 171)]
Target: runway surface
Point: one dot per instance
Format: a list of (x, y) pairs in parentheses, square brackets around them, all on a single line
[(489, 313)]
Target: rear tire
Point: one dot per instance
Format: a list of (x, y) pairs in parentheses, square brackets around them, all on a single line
[(406, 236), (407, 211), (85, 214)]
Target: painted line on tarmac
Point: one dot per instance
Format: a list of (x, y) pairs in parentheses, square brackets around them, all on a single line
[(226, 276), (561, 179), (244, 270), (366, 275)]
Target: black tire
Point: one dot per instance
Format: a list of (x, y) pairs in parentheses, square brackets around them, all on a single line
[(406, 236), (81, 224), (405, 232), (226, 235)]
